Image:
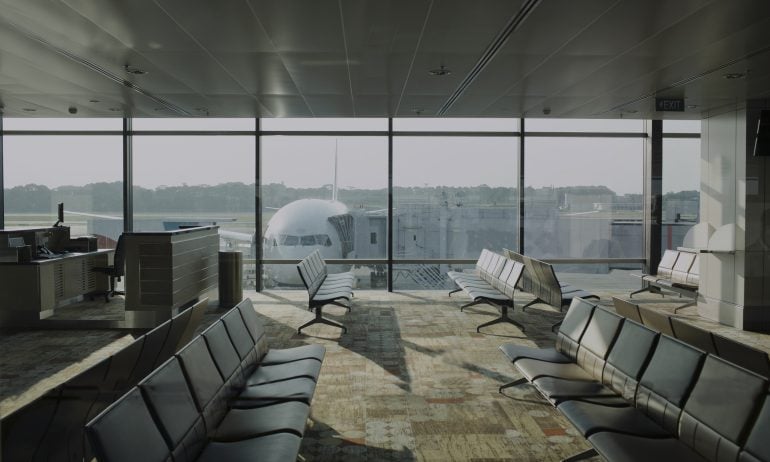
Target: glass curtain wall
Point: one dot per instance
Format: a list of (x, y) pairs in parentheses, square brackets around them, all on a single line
[(83, 171), (681, 181), (454, 188), (326, 193), (186, 176), (454, 194)]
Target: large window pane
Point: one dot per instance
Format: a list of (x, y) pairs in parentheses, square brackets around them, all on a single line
[(302, 212), (83, 172), (194, 124), (197, 180), (584, 125), (681, 189), (324, 124), (583, 197), (63, 124), (681, 126), (453, 197), (427, 124)]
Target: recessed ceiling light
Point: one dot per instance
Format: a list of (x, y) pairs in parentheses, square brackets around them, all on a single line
[(134, 70), (630, 111), (115, 109), (418, 110), (734, 75), (440, 71), (94, 101), (692, 106), (28, 109)]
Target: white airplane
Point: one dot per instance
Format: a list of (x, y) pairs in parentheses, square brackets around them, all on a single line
[(302, 226)]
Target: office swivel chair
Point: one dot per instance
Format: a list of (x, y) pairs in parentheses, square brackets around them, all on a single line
[(115, 272)]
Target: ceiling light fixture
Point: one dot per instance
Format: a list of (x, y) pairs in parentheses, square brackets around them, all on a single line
[(28, 109), (134, 70), (418, 110), (94, 101), (115, 109), (734, 75), (692, 106), (441, 71)]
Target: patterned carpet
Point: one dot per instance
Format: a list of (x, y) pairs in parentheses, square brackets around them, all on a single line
[(412, 380)]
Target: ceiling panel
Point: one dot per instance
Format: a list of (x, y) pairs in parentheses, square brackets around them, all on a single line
[(371, 57)]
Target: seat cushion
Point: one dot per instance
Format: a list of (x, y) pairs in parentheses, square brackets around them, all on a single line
[(280, 447), (241, 424), (616, 446), (287, 355), (515, 352), (309, 368), (589, 418), (558, 389), (532, 369), (299, 389)]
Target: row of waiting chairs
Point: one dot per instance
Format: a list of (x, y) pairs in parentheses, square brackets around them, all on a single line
[(51, 427), (494, 283), (638, 395), (678, 272), (224, 396), (324, 288), (739, 353)]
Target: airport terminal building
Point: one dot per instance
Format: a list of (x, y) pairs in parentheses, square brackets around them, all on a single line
[(384, 230)]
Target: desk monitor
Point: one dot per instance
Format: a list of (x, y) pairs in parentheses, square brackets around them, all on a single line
[(60, 214)]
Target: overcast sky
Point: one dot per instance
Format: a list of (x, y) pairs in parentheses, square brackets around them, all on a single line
[(308, 161)]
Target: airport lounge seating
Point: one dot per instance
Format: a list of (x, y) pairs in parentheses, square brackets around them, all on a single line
[(545, 286), (51, 427), (225, 396), (678, 272), (324, 288), (494, 284), (654, 398)]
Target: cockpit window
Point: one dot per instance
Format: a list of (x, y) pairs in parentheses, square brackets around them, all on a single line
[(307, 240), (323, 239), (289, 240)]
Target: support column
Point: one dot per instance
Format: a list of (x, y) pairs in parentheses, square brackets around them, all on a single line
[(390, 204), (2, 175), (520, 186), (258, 237), (128, 176), (653, 194)]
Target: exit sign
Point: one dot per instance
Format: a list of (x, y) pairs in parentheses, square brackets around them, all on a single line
[(669, 104)]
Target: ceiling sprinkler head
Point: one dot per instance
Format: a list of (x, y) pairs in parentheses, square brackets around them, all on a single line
[(440, 71)]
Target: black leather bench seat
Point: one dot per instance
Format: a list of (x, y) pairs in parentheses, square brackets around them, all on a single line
[(617, 446), (309, 368), (287, 355)]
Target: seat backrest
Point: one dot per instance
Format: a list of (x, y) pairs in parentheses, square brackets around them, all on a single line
[(483, 259), (667, 262), (756, 448), (499, 281), (121, 366), (627, 309), (498, 263), (509, 288), (126, 432), (720, 409), (595, 344), (23, 430), (550, 289), (168, 398), (240, 337), (694, 335), (628, 358), (573, 326), (222, 350), (178, 326), (119, 258), (693, 276), (533, 284), (682, 267), (667, 381), (196, 316), (255, 327), (743, 355), (525, 282), (204, 380), (153, 343), (656, 320)]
